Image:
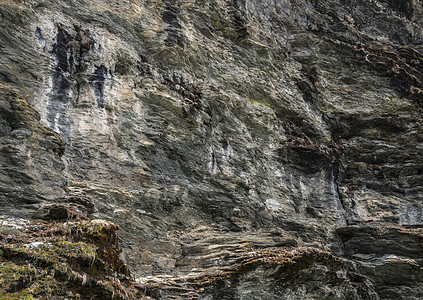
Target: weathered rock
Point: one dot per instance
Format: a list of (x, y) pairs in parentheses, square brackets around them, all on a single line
[(391, 256), (201, 126)]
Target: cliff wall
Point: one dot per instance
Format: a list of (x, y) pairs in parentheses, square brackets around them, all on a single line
[(246, 149)]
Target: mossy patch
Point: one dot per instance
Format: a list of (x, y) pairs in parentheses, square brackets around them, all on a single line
[(72, 260), (26, 281)]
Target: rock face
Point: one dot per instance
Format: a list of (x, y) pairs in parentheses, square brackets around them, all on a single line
[(246, 149)]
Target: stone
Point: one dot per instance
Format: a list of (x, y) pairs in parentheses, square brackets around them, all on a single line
[(208, 131)]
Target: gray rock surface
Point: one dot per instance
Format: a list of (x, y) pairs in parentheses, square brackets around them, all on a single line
[(209, 130)]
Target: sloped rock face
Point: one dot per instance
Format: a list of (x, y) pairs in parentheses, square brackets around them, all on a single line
[(246, 149)]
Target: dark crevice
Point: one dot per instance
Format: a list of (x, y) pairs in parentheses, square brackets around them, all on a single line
[(97, 83), (174, 30)]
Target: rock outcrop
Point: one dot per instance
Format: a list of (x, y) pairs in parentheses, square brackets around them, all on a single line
[(246, 149)]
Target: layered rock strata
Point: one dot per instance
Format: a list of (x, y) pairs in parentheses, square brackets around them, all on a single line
[(246, 149)]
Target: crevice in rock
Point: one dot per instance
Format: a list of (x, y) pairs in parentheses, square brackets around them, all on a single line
[(174, 30), (97, 83)]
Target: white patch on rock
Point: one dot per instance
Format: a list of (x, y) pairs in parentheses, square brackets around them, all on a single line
[(21, 133), (34, 245), (273, 204)]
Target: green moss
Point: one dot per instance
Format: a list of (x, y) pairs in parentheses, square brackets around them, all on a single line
[(416, 90), (4, 230), (25, 282), (255, 102), (74, 260), (22, 295), (326, 109), (12, 274), (372, 132)]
